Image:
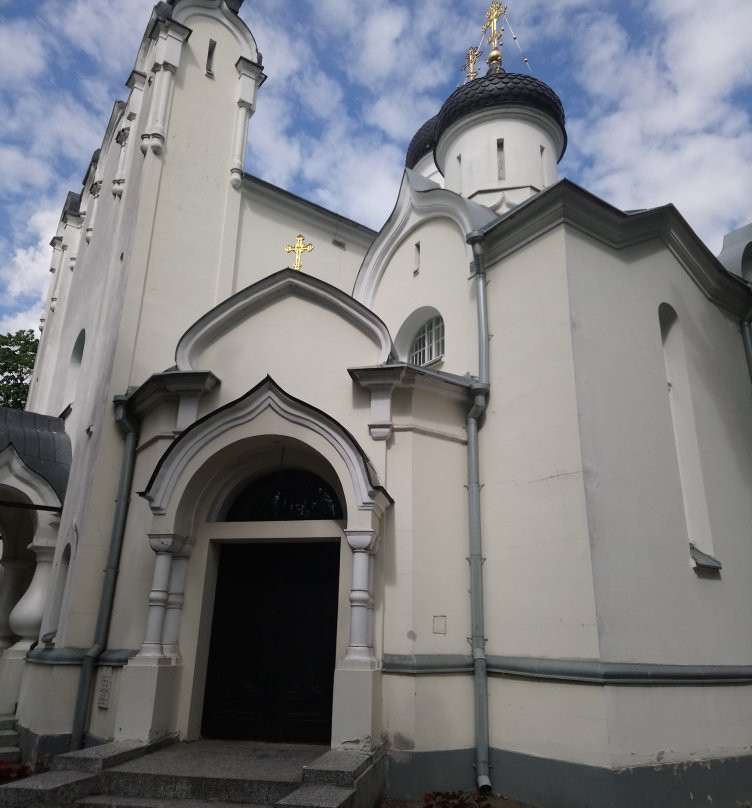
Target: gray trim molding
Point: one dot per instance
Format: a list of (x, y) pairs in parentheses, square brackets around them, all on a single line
[(552, 783), (584, 671), (567, 204), (115, 658)]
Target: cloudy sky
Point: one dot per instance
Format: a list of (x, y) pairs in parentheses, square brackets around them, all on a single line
[(658, 96)]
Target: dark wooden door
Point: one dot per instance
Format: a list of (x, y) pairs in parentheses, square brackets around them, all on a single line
[(271, 658)]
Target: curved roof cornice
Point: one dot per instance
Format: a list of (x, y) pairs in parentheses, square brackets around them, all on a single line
[(567, 204), (286, 283), (419, 200), (267, 394)]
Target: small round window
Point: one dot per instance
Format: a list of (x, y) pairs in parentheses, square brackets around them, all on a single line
[(428, 344)]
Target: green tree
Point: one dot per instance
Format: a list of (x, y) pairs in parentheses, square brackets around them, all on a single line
[(17, 352)]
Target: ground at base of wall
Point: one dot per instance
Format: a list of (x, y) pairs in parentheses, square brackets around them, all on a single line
[(494, 800)]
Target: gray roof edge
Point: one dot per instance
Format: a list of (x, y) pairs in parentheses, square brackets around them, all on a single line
[(566, 203), (41, 443)]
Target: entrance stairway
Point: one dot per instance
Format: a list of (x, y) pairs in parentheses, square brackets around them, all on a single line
[(9, 751), (220, 774)]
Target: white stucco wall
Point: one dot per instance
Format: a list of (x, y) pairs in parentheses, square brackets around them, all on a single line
[(538, 590)]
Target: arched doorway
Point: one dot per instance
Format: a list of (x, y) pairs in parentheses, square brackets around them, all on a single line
[(270, 670)]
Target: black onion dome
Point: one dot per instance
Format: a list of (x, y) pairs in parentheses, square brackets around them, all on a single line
[(499, 90), (423, 142)]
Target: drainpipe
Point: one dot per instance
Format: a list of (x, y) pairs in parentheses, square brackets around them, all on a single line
[(747, 337), (478, 640), (129, 428)]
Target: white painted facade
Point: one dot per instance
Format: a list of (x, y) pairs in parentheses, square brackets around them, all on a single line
[(170, 289)]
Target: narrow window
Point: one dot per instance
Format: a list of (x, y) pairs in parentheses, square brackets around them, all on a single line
[(747, 263), (210, 59), (544, 178), (685, 431), (416, 265), (74, 369), (428, 343), (500, 159)]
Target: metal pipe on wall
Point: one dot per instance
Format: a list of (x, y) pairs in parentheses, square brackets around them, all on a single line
[(478, 639), (129, 428)]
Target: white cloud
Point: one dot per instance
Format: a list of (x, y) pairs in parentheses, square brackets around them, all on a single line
[(22, 53), (21, 320), (19, 171), (26, 275), (662, 122)]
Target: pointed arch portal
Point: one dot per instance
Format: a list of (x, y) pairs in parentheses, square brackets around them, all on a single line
[(272, 602)]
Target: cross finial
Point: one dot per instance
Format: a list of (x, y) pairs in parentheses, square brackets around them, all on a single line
[(494, 14), (473, 55), (298, 248)]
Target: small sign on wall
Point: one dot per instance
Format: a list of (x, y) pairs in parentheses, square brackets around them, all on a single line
[(105, 688)]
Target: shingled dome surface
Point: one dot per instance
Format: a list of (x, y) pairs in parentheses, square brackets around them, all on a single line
[(41, 443), (500, 90), (423, 142)]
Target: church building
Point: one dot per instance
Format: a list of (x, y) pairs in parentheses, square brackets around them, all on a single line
[(469, 496)]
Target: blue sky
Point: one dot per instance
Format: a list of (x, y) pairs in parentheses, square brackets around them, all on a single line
[(658, 96)]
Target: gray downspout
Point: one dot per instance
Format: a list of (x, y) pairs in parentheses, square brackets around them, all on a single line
[(747, 338), (129, 428), (478, 639)]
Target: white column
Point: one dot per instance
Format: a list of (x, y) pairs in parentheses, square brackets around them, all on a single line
[(175, 600), (166, 546), (170, 36), (118, 183), (360, 646), (26, 618), (13, 581), (250, 78), (95, 191)]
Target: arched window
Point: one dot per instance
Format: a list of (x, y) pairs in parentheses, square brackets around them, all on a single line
[(428, 343), (747, 263), (285, 495), (74, 368), (685, 431)]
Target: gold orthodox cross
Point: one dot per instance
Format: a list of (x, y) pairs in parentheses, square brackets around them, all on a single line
[(472, 58), (494, 14), (298, 248)]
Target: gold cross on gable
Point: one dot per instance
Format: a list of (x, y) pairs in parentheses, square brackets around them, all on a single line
[(298, 248), (473, 55), (494, 14)]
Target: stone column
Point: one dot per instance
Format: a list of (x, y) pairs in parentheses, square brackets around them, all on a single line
[(360, 647), (166, 546), (170, 36), (250, 77), (26, 618), (149, 683), (14, 579), (175, 600)]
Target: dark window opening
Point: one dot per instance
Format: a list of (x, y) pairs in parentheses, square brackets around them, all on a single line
[(283, 496)]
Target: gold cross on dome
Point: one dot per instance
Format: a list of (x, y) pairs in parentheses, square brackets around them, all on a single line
[(298, 248), (473, 55), (494, 14)]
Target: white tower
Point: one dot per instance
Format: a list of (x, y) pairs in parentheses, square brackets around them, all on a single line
[(497, 139)]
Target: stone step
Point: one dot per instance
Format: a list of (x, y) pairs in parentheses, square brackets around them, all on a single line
[(8, 737), (109, 801), (50, 789), (318, 796), (165, 786), (336, 768), (97, 758), (7, 722), (10, 754)]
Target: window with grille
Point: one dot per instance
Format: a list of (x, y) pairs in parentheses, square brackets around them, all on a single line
[(428, 343)]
